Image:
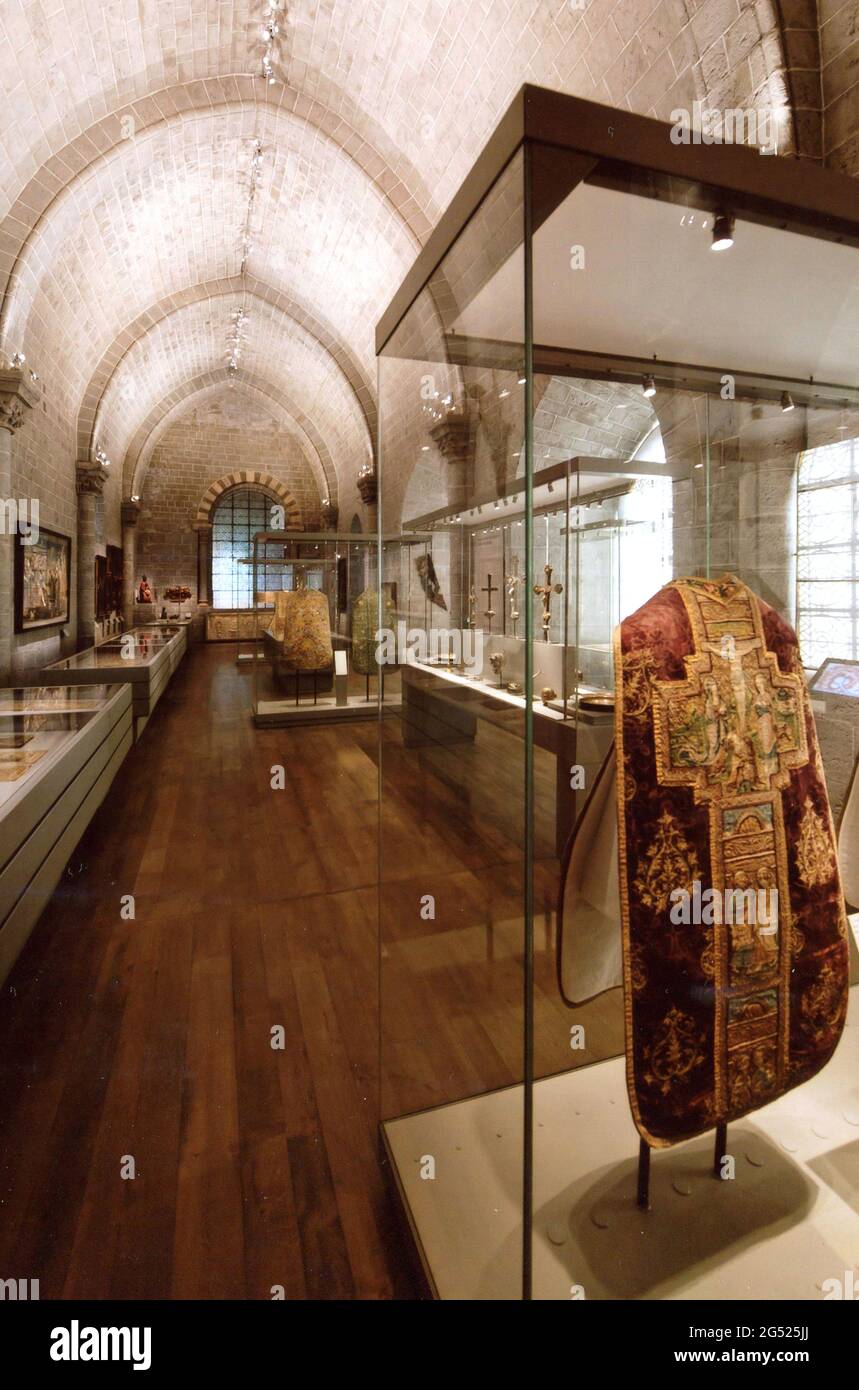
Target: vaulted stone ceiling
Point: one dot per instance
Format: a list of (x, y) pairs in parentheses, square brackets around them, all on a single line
[(126, 175)]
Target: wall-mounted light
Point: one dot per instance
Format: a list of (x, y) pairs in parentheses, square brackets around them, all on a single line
[(786, 401), (723, 231), (648, 386)]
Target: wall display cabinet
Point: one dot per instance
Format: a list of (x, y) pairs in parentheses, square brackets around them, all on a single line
[(318, 610), (60, 748), (146, 657), (619, 362)]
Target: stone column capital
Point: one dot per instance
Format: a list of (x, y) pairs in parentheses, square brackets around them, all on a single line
[(90, 478), (367, 484), (203, 528), (18, 395), (129, 513), (454, 436)]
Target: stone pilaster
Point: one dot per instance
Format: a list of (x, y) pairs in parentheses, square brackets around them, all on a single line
[(130, 515), (204, 563), (17, 396), (91, 478), (330, 514)]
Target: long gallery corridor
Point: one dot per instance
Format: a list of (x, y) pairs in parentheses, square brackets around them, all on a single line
[(429, 659), (151, 1037)]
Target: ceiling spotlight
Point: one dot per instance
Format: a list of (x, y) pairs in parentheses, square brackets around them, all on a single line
[(18, 359), (723, 231), (648, 386), (786, 401)]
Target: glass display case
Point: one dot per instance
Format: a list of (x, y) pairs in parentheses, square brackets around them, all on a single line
[(60, 747), (320, 615), (618, 364), (145, 656)]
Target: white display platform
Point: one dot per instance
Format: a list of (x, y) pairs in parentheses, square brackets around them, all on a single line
[(787, 1221)]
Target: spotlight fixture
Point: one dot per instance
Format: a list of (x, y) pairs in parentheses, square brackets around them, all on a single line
[(521, 381), (723, 231), (648, 386), (786, 401), (18, 359)]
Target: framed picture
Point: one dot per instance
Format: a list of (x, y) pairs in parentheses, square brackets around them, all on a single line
[(837, 676), (43, 581)]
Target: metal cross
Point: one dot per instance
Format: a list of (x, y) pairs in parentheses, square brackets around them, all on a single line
[(514, 579), (489, 589), (545, 591)]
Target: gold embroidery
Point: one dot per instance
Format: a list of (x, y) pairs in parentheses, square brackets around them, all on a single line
[(638, 974), (637, 693), (676, 1050), (822, 1003), (815, 859), (671, 863)]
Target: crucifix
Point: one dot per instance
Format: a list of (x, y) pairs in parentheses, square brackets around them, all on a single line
[(545, 591), (514, 579), (489, 589), (472, 601)]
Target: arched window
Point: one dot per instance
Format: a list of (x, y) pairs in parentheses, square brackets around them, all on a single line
[(828, 552), (237, 516)]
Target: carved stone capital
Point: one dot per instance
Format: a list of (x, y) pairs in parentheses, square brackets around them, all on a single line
[(367, 485), (330, 513), (130, 513), (91, 478), (18, 394), (454, 437)]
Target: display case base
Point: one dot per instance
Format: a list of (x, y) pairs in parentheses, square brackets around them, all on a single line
[(281, 713), (784, 1226)]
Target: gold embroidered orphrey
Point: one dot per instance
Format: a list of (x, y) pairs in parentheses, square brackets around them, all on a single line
[(732, 732)]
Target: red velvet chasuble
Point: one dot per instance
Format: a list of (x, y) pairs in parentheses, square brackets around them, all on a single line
[(731, 997)]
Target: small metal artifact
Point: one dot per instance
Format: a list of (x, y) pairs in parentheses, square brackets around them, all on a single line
[(545, 591)]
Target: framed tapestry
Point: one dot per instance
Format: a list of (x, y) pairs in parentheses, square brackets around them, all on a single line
[(43, 581)]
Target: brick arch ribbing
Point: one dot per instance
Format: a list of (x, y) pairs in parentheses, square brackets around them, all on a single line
[(244, 477), (253, 288), (374, 154), (140, 451)]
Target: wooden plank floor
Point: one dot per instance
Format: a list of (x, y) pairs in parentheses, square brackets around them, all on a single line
[(151, 1038), (255, 909)]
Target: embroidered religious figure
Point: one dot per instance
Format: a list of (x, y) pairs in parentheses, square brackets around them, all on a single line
[(722, 787)]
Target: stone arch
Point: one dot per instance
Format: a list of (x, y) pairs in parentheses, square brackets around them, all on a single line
[(371, 151), (88, 418), (244, 477), (140, 451)]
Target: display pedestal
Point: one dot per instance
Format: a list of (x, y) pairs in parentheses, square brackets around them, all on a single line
[(787, 1222)]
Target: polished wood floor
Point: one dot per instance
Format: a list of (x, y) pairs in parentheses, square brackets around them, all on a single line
[(257, 909), (151, 1038)]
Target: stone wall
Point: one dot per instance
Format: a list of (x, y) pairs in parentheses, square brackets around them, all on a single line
[(217, 438)]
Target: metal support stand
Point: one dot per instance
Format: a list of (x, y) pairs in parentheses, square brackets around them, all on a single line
[(643, 1194), (720, 1148)]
